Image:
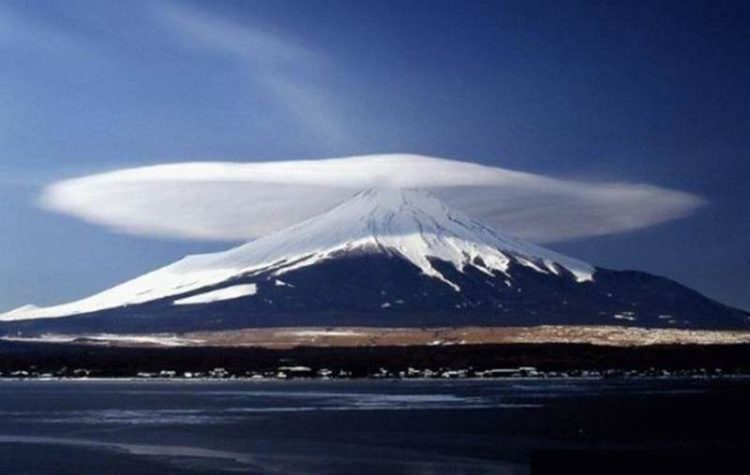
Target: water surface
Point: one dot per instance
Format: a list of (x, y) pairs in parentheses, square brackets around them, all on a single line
[(353, 426)]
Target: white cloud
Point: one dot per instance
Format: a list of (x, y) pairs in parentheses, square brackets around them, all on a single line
[(241, 201), (259, 46)]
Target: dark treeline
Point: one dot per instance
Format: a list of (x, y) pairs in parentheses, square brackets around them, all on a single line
[(362, 361)]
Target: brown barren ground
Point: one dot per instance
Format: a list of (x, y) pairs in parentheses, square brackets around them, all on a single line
[(281, 338)]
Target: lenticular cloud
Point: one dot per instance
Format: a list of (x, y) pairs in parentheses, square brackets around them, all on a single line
[(242, 201)]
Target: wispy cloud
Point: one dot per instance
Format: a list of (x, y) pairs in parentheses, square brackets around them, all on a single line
[(288, 71), (252, 43), (240, 201)]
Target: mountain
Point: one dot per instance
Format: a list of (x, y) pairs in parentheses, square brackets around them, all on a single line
[(387, 257)]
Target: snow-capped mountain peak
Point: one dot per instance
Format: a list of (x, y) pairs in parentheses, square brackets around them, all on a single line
[(408, 223), (416, 226)]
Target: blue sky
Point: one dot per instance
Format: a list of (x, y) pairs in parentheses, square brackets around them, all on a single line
[(653, 92)]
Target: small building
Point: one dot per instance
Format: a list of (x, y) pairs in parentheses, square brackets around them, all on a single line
[(295, 371), (218, 373)]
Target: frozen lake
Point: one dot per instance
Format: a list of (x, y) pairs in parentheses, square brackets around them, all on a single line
[(353, 426)]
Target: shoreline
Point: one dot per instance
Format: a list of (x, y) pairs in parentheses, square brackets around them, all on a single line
[(243, 379), (531, 361)]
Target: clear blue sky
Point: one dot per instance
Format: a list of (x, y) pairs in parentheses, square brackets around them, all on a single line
[(653, 91)]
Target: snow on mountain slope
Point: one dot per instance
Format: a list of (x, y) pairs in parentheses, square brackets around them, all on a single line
[(226, 293), (409, 223)]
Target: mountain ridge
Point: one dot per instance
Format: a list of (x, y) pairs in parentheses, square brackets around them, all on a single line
[(410, 223), (384, 257)]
